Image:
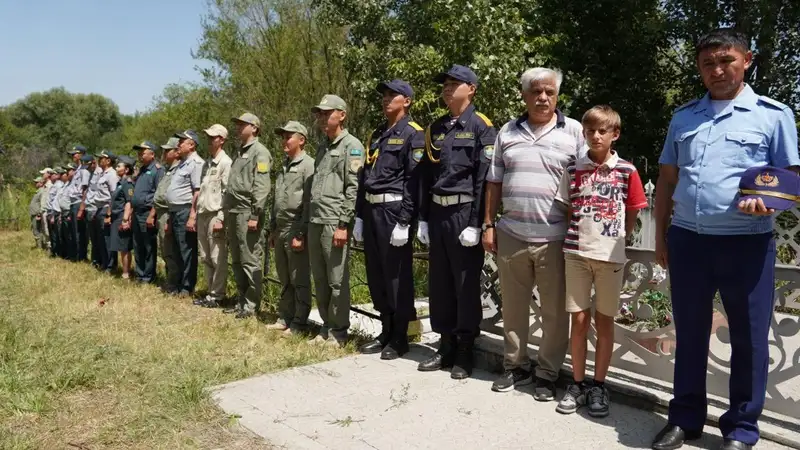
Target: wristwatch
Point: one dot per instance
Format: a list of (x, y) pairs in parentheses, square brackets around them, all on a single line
[(486, 226)]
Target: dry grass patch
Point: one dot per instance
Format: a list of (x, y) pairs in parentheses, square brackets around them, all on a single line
[(132, 371)]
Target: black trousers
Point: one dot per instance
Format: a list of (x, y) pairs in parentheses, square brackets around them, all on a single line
[(54, 239), (106, 259), (145, 245), (185, 246), (389, 269), (454, 274), (66, 243), (80, 237)]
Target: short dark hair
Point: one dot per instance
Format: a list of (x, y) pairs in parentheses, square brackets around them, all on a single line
[(722, 38)]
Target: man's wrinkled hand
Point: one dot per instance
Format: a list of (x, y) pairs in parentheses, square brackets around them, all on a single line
[(252, 225)]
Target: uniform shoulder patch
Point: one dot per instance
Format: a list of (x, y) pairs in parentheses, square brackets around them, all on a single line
[(356, 152), (395, 141), (415, 126), (417, 154), (130, 192), (688, 105), (488, 151), (772, 102), (262, 167), (484, 118)]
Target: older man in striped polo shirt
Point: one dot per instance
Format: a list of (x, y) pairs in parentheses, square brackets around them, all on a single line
[(531, 153)]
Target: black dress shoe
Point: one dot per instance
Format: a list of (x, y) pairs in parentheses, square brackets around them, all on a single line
[(672, 437), (462, 367), (730, 444), (435, 362), (394, 350), (372, 347)]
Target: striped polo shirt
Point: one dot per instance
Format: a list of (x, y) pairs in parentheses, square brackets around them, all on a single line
[(530, 168), (599, 196)]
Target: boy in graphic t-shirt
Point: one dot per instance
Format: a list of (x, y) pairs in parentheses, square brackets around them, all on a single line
[(604, 195)]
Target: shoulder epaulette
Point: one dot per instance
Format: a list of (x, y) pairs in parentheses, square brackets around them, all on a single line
[(772, 102), (686, 105), (415, 126), (485, 119)]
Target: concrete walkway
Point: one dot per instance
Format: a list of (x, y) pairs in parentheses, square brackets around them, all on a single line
[(361, 402)]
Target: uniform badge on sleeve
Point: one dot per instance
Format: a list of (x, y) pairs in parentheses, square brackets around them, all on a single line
[(488, 151), (130, 192), (417, 154), (262, 167), (355, 165)]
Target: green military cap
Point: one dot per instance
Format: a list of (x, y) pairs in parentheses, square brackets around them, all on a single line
[(70, 166), (330, 102), (59, 171), (127, 160), (292, 126), (250, 118), (171, 144)]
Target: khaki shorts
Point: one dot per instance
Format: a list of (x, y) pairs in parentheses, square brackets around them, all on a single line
[(607, 278)]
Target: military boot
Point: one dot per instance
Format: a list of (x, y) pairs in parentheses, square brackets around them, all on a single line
[(398, 345), (464, 359), (443, 358)]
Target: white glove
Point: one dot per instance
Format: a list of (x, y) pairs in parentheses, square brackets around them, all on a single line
[(470, 236), (358, 230), (422, 233), (399, 235)]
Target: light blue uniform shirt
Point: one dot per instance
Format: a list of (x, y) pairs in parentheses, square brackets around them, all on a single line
[(52, 200), (185, 181), (104, 188), (80, 180), (92, 190), (712, 151)]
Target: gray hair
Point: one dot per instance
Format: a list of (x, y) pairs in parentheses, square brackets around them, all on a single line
[(538, 74)]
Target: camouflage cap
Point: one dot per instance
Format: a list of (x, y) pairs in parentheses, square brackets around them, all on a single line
[(292, 126), (172, 144), (59, 171), (250, 118), (330, 102), (70, 166)]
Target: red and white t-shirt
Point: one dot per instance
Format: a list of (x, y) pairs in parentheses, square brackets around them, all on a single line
[(599, 195)]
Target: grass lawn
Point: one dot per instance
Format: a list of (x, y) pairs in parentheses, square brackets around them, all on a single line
[(131, 372)]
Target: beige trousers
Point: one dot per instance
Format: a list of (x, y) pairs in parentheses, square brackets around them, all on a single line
[(521, 265), (213, 248)]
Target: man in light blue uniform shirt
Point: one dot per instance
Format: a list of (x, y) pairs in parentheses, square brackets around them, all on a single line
[(183, 189), (718, 242), (76, 191)]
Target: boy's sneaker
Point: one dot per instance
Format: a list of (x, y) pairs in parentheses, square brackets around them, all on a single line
[(597, 401), (573, 398), (545, 390), (511, 378)]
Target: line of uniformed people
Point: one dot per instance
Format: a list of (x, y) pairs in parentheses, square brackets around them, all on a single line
[(405, 179)]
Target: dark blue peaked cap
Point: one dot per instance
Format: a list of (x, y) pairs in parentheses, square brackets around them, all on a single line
[(779, 189)]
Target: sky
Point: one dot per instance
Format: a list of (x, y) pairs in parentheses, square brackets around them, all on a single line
[(126, 50)]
